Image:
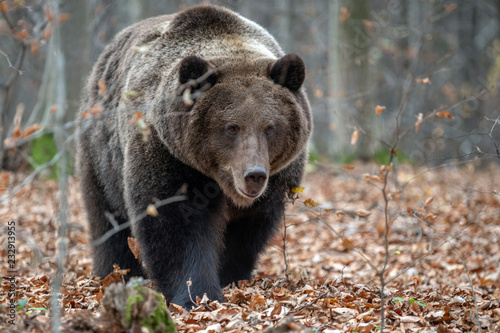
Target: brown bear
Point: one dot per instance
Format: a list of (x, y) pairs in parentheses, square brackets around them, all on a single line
[(225, 122)]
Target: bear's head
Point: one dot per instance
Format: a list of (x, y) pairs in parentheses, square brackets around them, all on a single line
[(237, 122)]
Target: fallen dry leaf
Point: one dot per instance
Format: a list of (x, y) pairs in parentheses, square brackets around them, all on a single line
[(344, 14), (444, 114), (32, 129), (420, 119), (134, 247), (348, 167), (354, 137), (424, 80), (326, 284), (379, 110)]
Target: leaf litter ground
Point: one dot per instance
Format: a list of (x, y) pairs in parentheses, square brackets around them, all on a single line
[(442, 269)]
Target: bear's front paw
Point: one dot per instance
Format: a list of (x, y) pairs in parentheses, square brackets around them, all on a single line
[(188, 300)]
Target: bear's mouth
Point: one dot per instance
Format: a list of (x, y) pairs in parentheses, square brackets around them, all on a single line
[(244, 194), (251, 195)]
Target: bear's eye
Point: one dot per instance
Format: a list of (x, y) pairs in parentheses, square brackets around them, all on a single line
[(270, 130), (232, 129)]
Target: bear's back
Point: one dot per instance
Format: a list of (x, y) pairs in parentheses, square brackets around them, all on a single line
[(146, 53), (207, 31), (210, 24)]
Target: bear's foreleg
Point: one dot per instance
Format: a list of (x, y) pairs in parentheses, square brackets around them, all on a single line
[(246, 237), (182, 243), (175, 251), (115, 249)]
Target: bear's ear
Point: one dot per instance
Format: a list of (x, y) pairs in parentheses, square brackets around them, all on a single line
[(195, 68), (288, 71)]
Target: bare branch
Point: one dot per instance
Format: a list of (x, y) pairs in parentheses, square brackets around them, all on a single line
[(139, 217)]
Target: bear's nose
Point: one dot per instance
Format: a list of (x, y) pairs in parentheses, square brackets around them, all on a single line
[(255, 177)]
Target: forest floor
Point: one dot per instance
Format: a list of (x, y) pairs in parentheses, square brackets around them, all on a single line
[(441, 255)]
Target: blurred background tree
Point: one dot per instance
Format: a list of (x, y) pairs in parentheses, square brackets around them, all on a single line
[(411, 57)]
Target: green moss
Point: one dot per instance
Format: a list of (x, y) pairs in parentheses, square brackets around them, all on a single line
[(313, 156), (131, 301), (159, 319), (43, 150), (382, 156)]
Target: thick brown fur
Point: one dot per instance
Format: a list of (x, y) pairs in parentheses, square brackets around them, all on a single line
[(227, 121)]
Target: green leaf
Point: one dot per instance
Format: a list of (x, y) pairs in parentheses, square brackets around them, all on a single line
[(21, 304), (418, 302), (398, 299)]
